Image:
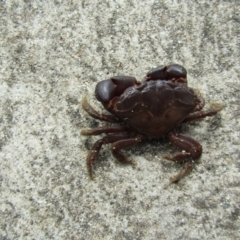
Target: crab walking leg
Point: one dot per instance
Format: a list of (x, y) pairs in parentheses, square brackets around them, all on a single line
[(100, 130), (215, 108), (192, 149), (93, 153), (125, 143), (93, 113)]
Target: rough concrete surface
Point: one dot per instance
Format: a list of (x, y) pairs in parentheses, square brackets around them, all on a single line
[(52, 53)]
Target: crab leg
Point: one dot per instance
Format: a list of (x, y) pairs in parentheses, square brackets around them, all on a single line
[(105, 129), (93, 113), (125, 143), (93, 153), (192, 149), (202, 114)]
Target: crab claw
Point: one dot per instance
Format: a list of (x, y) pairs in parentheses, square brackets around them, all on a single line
[(115, 86), (174, 71)]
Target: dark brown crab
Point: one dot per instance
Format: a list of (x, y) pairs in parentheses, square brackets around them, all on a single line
[(151, 109)]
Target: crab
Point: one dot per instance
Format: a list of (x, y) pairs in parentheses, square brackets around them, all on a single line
[(150, 109)]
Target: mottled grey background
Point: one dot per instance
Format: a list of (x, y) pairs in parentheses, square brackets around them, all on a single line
[(52, 53)]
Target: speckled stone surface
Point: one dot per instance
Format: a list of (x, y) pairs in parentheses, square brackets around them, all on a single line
[(52, 53)]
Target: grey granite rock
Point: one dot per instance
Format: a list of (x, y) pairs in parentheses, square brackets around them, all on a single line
[(52, 53)]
